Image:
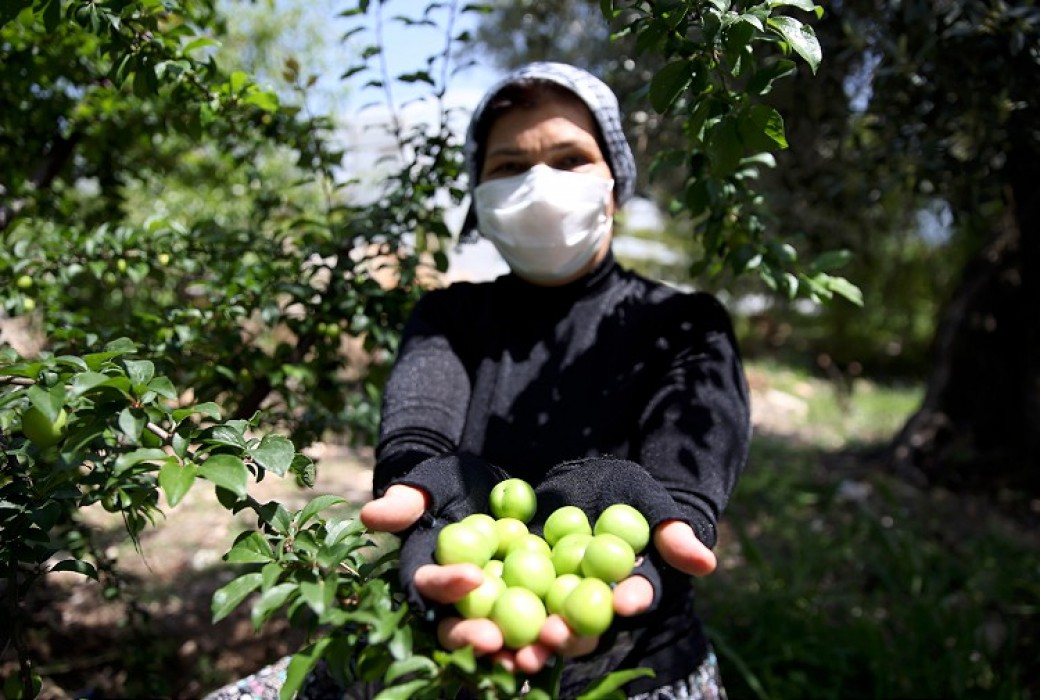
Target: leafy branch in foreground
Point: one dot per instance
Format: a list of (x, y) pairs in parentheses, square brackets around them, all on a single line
[(105, 429), (331, 579)]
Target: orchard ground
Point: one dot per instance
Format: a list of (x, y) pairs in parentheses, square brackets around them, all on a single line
[(156, 638)]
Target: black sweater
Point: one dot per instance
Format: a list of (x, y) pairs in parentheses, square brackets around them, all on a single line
[(596, 386)]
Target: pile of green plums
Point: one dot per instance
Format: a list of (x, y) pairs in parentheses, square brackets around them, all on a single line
[(569, 571)]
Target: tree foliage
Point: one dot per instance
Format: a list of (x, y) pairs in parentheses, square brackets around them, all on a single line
[(154, 195)]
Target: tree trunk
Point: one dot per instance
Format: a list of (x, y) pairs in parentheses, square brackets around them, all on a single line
[(979, 422)]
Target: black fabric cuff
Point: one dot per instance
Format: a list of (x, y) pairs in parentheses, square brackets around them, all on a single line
[(593, 484), (458, 485)]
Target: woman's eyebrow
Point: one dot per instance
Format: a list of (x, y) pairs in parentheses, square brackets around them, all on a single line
[(513, 151)]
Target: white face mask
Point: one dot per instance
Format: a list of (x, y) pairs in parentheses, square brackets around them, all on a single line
[(547, 224)]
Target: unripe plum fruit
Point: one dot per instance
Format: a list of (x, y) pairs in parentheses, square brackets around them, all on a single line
[(531, 570), (627, 523), (608, 558), (568, 553), (480, 601), (589, 609), (520, 614), (564, 521), (513, 498), (460, 544)]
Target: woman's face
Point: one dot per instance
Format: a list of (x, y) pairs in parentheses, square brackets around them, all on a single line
[(558, 131)]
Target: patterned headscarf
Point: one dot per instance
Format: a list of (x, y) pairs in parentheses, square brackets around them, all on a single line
[(600, 100)]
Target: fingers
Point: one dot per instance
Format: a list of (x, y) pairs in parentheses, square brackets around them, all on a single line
[(506, 658), (480, 633), (633, 596), (557, 636), (396, 510), (447, 584), (531, 658), (679, 547), (486, 638)]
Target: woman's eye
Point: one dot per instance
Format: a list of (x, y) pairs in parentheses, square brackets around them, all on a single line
[(571, 162), (508, 168)]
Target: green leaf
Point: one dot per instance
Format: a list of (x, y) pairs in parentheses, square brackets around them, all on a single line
[(274, 514), (77, 565), (163, 387), (119, 346), (176, 479), (270, 600), (402, 643), (12, 9), (336, 530), (237, 81), (462, 659), (313, 593), (47, 515), (738, 36), (132, 422), (315, 506), (52, 15), (250, 548), (274, 453), (723, 147), (405, 691), (843, 288), (800, 37), (762, 81), (831, 260), (133, 458), (611, 683), (300, 666), (199, 43), (85, 381), (50, 402), (267, 101), (421, 665), (226, 598), (226, 435), (807, 5), (762, 128), (208, 409), (271, 572), (139, 371), (226, 471), (668, 83)]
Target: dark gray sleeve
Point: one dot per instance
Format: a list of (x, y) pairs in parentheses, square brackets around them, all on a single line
[(426, 396), (696, 428)]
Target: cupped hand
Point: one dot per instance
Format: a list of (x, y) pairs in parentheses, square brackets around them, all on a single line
[(677, 545)]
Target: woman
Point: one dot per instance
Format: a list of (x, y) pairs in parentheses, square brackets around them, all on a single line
[(587, 380)]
